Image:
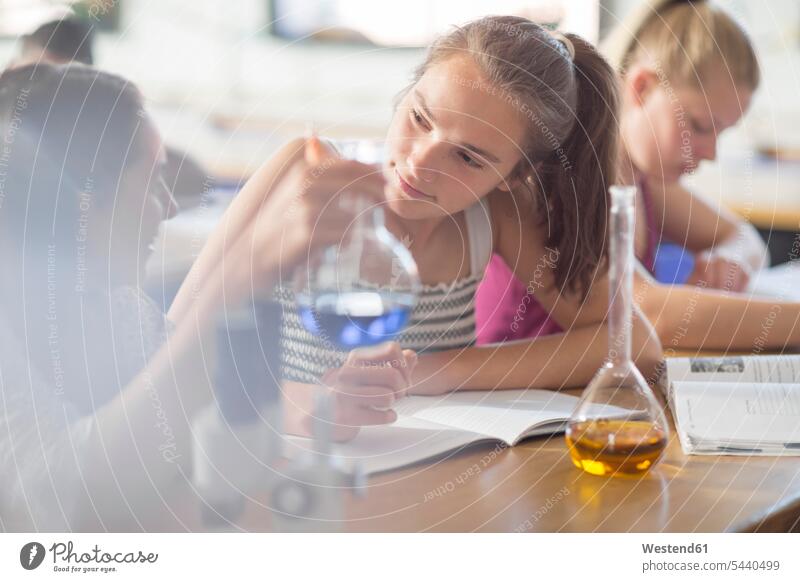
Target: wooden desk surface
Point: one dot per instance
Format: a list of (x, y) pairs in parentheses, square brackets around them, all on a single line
[(535, 487)]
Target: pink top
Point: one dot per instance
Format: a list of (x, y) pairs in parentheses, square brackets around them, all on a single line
[(505, 311)]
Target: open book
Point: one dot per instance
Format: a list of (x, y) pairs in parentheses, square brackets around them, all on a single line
[(430, 426), (738, 405)]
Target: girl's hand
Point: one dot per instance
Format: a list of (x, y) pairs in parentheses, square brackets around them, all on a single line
[(366, 387), (301, 214), (719, 272), (363, 390)]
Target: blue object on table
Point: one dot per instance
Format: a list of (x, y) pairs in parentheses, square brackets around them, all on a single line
[(673, 264)]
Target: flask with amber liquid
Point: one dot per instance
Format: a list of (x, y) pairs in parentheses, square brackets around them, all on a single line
[(618, 427)]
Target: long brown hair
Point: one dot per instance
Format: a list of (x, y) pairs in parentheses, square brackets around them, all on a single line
[(568, 95)]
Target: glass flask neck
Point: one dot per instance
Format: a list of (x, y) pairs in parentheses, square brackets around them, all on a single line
[(621, 265), (366, 219)]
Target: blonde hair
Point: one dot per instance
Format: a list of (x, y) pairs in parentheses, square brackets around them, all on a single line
[(568, 94), (687, 39)]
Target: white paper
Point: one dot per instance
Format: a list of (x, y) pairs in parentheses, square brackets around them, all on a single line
[(429, 426), (407, 441), (736, 369), (738, 418), (505, 415)]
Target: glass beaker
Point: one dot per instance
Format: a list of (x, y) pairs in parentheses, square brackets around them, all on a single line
[(618, 426), (360, 292)]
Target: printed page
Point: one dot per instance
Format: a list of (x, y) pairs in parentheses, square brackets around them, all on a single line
[(736, 369), (749, 418)]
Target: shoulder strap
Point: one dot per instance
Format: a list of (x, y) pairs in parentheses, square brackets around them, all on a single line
[(479, 230)]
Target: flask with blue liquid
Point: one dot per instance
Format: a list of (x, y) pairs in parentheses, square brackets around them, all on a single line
[(361, 291)]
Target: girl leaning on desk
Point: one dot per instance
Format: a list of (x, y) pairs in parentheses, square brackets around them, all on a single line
[(504, 142), (687, 71), (507, 131)]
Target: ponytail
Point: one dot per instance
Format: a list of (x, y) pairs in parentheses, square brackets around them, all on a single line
[(575, 178)]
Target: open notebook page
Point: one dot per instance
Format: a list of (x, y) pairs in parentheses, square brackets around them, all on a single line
[(429, 426), (735, 369), (505, 415), (407, 441), (752, 416)]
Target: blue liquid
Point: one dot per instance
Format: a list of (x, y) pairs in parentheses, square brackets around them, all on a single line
[(356, 319)]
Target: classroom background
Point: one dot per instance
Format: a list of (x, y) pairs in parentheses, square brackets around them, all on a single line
[(230, 81)]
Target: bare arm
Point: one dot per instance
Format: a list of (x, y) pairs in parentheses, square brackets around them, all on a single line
[(694, 317), (563, 360), (728, 247), (690, 219), (233, 223), (363, 389)]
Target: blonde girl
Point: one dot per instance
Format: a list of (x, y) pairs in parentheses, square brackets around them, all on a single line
[(688, 72)]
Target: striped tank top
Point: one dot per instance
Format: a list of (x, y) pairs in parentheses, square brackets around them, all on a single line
[(442, 319)]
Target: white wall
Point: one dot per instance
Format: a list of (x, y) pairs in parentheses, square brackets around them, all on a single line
[(207, 57)]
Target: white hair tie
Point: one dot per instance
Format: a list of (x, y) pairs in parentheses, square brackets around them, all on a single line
[(565, 41)]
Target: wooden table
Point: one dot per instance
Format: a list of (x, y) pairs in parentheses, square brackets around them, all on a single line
[(535, 487)]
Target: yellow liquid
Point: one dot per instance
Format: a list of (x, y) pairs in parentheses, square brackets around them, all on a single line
[(606, 447)]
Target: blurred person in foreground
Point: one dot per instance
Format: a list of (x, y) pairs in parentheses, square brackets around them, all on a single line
[(97, 386)]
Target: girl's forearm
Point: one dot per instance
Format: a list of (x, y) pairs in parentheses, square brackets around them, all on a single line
[(556, 361), (233, 223), (694, 317)]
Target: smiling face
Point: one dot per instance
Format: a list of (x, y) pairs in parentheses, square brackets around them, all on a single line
[(668, 130), (453, 139)]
